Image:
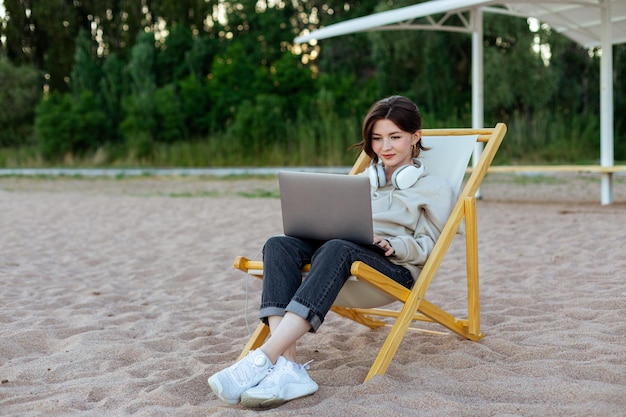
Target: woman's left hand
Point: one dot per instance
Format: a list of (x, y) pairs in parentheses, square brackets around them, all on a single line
[(384, 245)]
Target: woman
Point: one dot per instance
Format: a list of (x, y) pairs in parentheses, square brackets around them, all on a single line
[(409, 209)]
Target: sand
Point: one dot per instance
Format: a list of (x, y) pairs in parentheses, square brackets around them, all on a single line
[(118, 297)]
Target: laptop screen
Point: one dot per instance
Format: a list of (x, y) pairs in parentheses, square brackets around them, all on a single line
[(326, 206)]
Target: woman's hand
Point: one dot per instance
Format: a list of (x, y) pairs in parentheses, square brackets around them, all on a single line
[(384, 245)]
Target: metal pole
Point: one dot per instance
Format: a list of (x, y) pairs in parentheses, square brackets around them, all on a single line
[(606, 103), (478, 108)]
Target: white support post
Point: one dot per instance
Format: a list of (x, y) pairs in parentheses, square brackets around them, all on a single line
[(606, 103), (478, 107)]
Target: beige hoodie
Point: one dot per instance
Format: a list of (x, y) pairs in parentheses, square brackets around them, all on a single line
[(412, 219)]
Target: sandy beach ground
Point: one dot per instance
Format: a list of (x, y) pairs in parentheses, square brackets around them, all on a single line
[(118, 297)]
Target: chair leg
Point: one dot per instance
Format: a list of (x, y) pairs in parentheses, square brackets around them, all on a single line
[(256, 340), (471, 244), (360, 318), (395, 336)]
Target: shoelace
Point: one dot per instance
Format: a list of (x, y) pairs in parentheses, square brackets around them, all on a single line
[(272, 375), (306, 365), (243, 373)]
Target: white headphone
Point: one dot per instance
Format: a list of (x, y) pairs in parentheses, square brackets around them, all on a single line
[(404, 177)]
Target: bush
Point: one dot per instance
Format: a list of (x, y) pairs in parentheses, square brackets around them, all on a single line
[(54, 125), (91, 124), (65, 125), (260, 124), (138, 126), (20, 91), (195, 105), (169, 116)]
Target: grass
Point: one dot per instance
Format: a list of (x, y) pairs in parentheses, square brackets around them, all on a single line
[(544, 139), (195, 194), (176, 187), (259, 194)]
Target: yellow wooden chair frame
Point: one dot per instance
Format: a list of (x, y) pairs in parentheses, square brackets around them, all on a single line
[(414, 304)]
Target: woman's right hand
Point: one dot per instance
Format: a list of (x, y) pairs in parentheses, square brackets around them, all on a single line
[(384, 244)]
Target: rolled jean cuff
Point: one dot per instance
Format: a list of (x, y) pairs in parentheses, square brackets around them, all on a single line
[(306, 313), (266, 312)]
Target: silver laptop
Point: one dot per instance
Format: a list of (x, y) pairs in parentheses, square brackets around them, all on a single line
[(326, 206)]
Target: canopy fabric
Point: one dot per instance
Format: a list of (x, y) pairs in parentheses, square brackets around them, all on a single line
[(580, 21)]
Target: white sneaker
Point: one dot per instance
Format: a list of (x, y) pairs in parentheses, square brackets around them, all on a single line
[(231, 382), (285, 381)]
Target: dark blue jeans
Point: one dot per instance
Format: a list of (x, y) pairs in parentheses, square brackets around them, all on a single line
[(285, 290)]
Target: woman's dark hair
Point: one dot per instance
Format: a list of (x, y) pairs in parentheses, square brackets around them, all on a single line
[(398, 109)]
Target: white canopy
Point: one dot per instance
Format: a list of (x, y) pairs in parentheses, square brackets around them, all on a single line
[(580, 21), (590, 23)]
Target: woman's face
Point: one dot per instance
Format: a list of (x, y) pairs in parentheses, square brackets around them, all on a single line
[(392, 145)]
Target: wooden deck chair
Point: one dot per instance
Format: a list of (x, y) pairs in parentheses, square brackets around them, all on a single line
[(368, 289)]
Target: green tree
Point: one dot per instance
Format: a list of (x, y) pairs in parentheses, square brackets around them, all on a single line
[(195, 105), (20, 91), (516, 77), (112, 88), (169, 116), (86, 71), (349, 54), (350, 97), (233, 80), (433, 67), (55, 125), (67, 124), (26, 42), (139, 125), (55, 22), (171, 64), (292, 80), (42, 33), (90, 123), (193, 14), (202, 53), (577, 83), (259, 31), (259, 124)]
